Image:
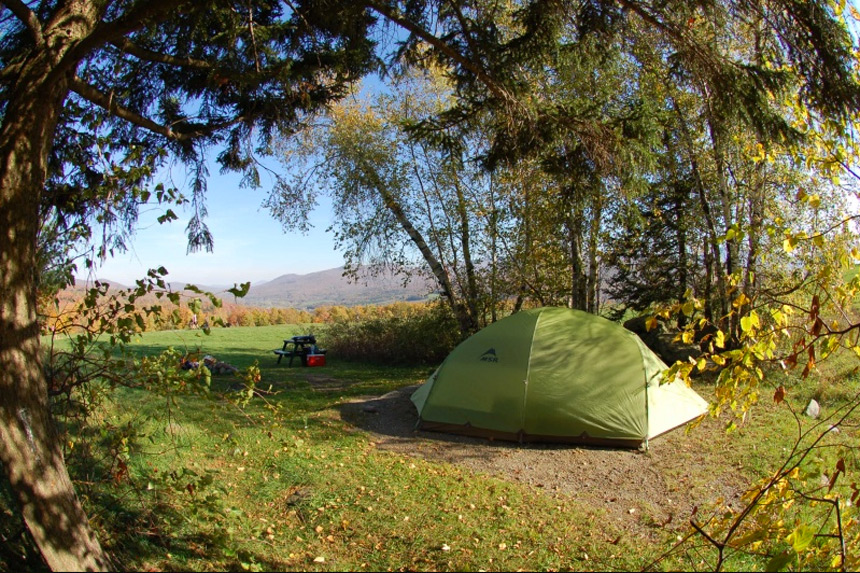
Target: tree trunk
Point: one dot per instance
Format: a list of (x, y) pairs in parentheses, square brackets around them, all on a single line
[(708, 311), (681, 209), (472, 293), (593, 295), (30, 452), (578, 280), (464, 319), (731, 321), (755, 221), (755, 203), (712, 251), (494, 260)]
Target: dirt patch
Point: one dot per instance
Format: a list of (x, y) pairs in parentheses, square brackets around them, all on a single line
[(642, 493)]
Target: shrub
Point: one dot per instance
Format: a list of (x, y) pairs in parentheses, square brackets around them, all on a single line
[(414, 334)]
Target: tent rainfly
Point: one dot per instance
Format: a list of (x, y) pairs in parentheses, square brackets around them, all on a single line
[(555, 375)]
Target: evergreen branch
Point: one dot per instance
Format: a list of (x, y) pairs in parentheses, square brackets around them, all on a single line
[(27, 17), (127, 46), (700, 55), (107, 103), (464, 25), (93, 95), (439, 44), (142, 53), (143, 14)]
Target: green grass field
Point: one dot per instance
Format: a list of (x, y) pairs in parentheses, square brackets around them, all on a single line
[(284, 483)]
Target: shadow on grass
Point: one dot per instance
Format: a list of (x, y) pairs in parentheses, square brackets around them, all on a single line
[(148, 539), (146, 517)]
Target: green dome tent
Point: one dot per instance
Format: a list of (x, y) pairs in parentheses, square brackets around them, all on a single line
[(555, 374)]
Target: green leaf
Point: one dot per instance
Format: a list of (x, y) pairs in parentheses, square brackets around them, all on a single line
[(168, 216), (240, 290), (801, 537), (779, 562)]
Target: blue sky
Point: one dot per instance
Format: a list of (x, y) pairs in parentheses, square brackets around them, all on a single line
[(249, 244)]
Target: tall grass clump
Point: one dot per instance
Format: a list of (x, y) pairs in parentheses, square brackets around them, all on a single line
[(406, 335)]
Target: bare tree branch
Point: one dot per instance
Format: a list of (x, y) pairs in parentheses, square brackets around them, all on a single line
[(27, 17), (10, 72)]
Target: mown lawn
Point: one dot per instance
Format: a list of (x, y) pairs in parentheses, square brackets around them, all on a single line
[(283, 483)]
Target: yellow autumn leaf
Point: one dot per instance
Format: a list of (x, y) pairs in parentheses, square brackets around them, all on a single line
[(740, 300), (777, 316)]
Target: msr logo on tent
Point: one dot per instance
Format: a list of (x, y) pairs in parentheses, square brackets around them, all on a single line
[(489, 356)]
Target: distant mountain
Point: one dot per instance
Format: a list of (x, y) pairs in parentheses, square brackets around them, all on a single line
[(328, 288), (323, 288)]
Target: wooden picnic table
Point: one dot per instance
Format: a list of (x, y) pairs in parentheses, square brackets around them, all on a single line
[(299, 346)]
